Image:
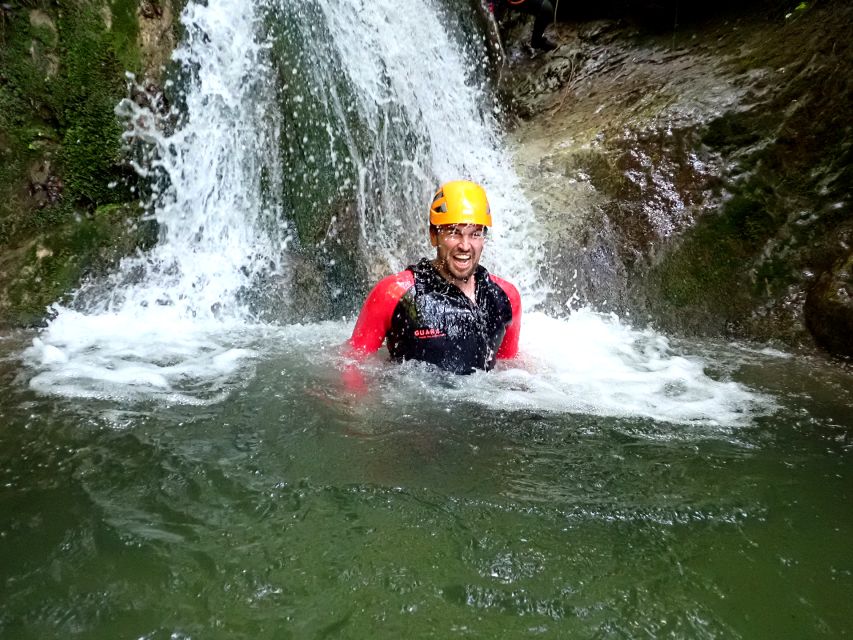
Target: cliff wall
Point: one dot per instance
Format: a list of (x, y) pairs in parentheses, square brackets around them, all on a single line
[(695, 171), (68, 199)]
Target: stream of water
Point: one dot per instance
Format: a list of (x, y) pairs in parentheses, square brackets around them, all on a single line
[(175, 465)]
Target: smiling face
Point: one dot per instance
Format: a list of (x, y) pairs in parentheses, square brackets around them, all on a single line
[(458, 249)]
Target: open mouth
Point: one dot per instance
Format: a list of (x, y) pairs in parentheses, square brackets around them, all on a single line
[(461, 261)]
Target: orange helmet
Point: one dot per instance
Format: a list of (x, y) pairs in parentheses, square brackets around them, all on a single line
[(460, 202)]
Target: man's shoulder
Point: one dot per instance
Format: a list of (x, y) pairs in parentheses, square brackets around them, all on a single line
[(508, 288), (396, 284), (422, 268), (504, 284)]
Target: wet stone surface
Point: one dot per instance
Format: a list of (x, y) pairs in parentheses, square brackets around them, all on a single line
[(697, 178)]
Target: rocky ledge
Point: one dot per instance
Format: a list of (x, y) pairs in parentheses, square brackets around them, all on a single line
[(695, 176)]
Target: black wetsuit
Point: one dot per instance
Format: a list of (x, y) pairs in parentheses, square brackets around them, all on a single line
[(435, 322)]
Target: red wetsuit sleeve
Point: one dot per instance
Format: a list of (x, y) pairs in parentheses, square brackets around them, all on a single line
[(509, 346), (374, 321)]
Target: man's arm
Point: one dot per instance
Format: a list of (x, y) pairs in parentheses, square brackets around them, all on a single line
[(374, 321), (509, 346)]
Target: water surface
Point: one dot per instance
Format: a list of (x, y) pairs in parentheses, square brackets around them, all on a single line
[(295, 509)]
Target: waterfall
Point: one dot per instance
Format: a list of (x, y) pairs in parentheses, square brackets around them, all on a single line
[(176, 312), (215, 179), (310, 136), (407, 66)]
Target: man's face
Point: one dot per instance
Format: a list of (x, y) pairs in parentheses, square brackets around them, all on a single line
[(459, 247)]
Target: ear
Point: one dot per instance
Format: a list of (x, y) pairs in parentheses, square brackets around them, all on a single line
[(433, 235)]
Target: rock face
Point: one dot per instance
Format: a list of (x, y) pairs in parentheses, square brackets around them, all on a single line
[(699, 179), (693, 170), (62, 72), (829, 308)]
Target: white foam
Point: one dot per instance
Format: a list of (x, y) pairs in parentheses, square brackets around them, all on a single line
[(591, 364), (159, 354), (588, 363)]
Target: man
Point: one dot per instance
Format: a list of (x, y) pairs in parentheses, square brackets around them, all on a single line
[(448, 311)]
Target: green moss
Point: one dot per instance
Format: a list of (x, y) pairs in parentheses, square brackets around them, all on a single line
[(746, 218), (602, 173), (704, 282), (63, 186), (703, 268), (96, 60), (729, 131), (47, 37), (125, 33), (58, 260), (59, 85)]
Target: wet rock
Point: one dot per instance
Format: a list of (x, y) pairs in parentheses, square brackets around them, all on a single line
[(150, 97), (63, 172), (151, 9), (696, 178), (156, 36), (41, 20), (40, 172), (45, 187), (829, 308), (49, 266)]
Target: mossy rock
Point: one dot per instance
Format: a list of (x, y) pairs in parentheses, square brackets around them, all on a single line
[(62, 71), (52, 265), (829, 309), (702, 284), (67, 203)]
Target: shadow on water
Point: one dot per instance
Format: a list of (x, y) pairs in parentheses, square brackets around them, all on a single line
[(298, 510)]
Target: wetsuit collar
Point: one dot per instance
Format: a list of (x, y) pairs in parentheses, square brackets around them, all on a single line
[(425, 267)]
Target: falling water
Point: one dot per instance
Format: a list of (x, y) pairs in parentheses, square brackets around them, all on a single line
[(301, 106), (176, 314), (407, 66)]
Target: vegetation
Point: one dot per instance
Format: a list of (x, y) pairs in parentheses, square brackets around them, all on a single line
[(62, 72)]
